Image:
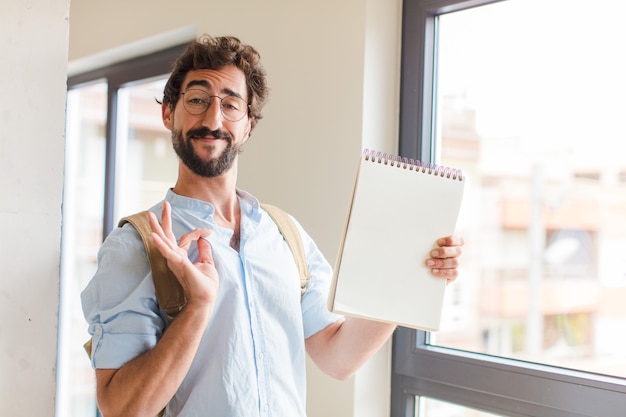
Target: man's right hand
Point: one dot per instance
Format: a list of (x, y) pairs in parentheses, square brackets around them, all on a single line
[(199, 280)]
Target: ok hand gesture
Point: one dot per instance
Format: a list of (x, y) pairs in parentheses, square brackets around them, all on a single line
[(199, 280)]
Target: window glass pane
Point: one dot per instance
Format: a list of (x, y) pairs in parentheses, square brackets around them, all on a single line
[(146, 163), (531, 99), (82, 235), (428, 407)]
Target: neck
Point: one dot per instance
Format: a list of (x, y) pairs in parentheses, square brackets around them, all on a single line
[(219, 191), (223, 198)]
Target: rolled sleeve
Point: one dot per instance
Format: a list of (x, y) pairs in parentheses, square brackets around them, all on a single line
[(113, 350), (315, 313), (120, 304)]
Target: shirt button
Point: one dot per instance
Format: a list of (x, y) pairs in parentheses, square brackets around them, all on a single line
[(206, 206), (261, 356), (266, 407)]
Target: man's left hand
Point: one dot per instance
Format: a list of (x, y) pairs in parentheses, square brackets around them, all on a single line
[(444, 260)]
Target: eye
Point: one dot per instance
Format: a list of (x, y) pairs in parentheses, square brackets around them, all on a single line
[(231, 103), (196, 100), (196, 97)]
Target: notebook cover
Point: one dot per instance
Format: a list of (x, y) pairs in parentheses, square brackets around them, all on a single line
[(399, 209)]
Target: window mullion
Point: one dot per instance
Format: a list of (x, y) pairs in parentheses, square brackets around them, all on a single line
[(111, 153)]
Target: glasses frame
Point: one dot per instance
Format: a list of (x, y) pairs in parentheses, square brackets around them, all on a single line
[(182, 94)]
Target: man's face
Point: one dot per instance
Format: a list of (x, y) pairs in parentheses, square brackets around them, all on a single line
[(208, 143)]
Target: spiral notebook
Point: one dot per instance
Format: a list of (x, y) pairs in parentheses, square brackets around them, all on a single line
[(399, 208)]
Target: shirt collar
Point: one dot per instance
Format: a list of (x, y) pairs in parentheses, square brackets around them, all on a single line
[(251, 204)]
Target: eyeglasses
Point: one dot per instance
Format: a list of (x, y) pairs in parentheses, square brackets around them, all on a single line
[(198, 101)]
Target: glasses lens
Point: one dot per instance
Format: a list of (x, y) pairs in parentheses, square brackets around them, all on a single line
[(233, 108), (196, 101)]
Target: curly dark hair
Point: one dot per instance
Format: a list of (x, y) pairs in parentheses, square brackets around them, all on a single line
[(209, 52)]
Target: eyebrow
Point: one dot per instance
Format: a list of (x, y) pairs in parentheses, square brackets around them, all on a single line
[(204, 83)]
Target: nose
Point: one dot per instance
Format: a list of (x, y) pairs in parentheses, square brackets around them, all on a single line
[(212, 117)]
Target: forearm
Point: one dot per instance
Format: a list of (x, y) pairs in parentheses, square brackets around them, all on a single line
[(143, 386), (343, 347)]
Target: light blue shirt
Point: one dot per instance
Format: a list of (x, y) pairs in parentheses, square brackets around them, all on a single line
[(251, 360)]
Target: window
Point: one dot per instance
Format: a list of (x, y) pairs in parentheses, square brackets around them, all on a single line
[(529, 106), (118, 161)]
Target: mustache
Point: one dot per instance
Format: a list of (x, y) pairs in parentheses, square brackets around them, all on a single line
[(202, 132)]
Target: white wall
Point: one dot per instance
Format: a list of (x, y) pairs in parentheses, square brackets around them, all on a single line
[(33, 62), (333, 69)]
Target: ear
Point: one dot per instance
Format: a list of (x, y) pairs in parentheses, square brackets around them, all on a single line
[(167, 116), (248, 130)]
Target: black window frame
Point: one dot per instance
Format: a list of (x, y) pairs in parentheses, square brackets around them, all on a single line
[(494, 384), (117, 76)]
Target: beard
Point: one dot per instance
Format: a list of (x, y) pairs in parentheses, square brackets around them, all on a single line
[(213, 167)]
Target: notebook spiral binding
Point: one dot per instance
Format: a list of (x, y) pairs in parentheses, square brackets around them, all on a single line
[(413, 164)]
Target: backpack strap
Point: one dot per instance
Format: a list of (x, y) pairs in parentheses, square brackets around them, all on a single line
[(170, 295), (292, 236)]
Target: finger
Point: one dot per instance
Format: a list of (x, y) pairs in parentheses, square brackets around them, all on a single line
[(450, 241), (445, 263), (205, 251), (166, 221), (159, 233), (446, 252), (155, 226), (154, 223), (196, 234), (167, 249), (448, 274)]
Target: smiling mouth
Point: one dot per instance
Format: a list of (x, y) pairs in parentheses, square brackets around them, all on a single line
[(198, 137), (207, 134)]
